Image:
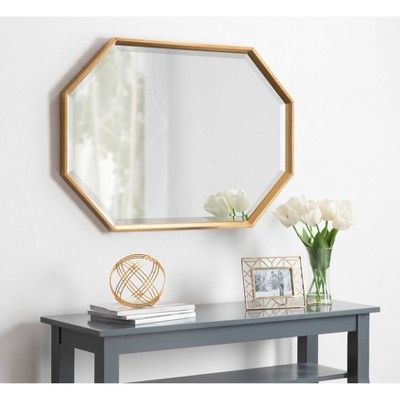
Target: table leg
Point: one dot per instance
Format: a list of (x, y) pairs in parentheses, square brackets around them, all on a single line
[(62, 359), (106, 363), (307, 349), (358, 351)]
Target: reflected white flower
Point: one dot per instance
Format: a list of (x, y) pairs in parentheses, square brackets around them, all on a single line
[(287, 215), (218, 206), (328, 209), (231, 203), (344, 217), (237, 200)]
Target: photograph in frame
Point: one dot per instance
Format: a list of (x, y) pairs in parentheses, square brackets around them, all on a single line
[(273, 282)]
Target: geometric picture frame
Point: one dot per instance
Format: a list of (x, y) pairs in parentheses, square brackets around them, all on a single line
[(273, 283)]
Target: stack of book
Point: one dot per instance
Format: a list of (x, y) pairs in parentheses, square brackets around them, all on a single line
[(160, 312)]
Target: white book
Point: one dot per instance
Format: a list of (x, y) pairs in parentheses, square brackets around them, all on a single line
[(120, 310), (143, 321), (153, 320), (139, 316)]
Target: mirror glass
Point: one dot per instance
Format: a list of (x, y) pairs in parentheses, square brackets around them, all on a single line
[(154, 132)]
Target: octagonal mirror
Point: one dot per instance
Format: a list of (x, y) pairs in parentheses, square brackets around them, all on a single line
[(159, 135)]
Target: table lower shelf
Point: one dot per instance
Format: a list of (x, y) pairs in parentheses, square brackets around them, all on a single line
[(291, 373)]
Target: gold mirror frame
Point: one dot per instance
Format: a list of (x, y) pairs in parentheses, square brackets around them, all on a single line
[(264, 203)]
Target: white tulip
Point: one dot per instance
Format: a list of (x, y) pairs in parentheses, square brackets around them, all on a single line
[(287, 215), (236, 199), (298, 204), (312, 214), (217, 206), (344, 217), (328, 209)]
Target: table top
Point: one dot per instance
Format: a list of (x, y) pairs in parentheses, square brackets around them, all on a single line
[(208, 316)]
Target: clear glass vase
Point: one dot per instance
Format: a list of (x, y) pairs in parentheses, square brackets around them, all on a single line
[(319, 292)]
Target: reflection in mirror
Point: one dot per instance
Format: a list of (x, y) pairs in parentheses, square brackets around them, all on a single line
[(108, 128), (274, 312), (170, 135)]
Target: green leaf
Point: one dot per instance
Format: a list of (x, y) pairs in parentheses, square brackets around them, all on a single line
[(320, 242), (306, 236), (332, 237), (325, 232)]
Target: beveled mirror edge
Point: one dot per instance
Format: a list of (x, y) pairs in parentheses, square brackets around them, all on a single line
[(266, 72)]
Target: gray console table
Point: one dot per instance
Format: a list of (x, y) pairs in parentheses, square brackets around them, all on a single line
[(219, 324)]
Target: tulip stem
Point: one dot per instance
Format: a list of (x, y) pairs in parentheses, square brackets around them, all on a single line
[(309, 230), (326, 224), (297, 233), (318, 228)]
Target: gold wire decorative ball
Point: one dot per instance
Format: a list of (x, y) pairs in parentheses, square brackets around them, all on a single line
[(137, 281)]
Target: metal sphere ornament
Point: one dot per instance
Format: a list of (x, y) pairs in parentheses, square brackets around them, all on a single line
[(137, 281)]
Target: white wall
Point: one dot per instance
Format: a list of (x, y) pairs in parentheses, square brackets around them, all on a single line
[(55, 256)]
